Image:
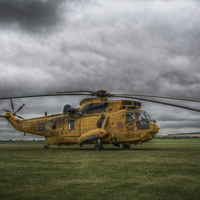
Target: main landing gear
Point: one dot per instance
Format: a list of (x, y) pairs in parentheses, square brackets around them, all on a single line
[(98, 146), (126, 146), (117, 145), (47, 146)]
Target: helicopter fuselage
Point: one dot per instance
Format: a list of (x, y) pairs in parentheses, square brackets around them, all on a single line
[(115, 122)]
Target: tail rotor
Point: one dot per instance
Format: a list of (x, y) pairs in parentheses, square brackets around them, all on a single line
[(13, 112)]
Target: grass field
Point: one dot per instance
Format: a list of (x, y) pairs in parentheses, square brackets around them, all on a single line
[(154, 170), (178, 140)]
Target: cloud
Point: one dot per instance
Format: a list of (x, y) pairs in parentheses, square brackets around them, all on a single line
[(31, 15)]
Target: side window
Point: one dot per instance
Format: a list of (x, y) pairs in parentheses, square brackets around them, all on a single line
[(71, 124), (53, 125), (129, 117)]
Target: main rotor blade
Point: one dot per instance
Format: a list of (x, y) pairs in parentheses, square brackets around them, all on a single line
[(46, 95), (12, 105), (19, 108), (91, 92), (159, 102), (157, 97)]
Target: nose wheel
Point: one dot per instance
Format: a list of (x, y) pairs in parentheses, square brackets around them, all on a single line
[(47, 146)]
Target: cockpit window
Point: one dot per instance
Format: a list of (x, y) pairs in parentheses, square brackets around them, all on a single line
[(141, 119), (138, 116), (129, 117), (94, 107)]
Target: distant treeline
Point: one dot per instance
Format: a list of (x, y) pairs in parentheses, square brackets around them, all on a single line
[(175, 137), (185, 133), (15, 141)]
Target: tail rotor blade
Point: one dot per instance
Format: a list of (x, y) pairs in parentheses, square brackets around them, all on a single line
[(20, 108), (6, 110), (12, 105)]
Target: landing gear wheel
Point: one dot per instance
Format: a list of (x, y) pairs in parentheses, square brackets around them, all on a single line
[(126, 146), (101, 147), (98, 147), (46, 146), (117, 145)]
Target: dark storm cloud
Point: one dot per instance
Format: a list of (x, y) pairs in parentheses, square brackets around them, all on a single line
[(31, 15)]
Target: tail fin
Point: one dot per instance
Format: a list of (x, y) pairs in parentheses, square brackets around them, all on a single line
[(13, 120)]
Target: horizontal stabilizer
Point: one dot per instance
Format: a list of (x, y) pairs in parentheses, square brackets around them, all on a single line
[(5, 116)]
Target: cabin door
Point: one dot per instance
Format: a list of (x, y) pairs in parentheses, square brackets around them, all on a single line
[(72, 127)]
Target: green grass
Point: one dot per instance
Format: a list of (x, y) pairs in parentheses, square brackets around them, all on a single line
[(175, 140), (150, 171)]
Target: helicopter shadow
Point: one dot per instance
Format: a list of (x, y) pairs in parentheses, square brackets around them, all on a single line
[(108, 149)]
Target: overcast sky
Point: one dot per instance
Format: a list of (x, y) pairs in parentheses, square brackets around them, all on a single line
[(135, 47)]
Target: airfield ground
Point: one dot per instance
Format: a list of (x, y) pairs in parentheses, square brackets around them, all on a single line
[(161, 169)]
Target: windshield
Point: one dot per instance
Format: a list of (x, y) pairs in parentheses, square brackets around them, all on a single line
[(142, 115)]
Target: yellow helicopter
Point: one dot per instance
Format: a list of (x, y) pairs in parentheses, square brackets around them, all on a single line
[(96, 121)]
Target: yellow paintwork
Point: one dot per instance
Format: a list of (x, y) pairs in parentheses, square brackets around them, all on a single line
[(114, 128)]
